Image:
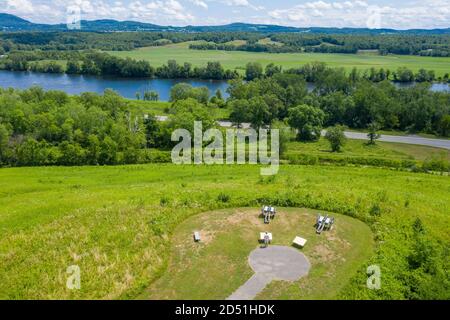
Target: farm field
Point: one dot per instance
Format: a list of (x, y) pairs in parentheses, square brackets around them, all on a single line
[(118, 223), (180, 52)]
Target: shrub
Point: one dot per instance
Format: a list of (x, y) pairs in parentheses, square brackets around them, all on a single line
[(223, 197), (436, 163), (335, 135), (164, 201)]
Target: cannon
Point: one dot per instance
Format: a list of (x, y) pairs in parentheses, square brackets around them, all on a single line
[(328, 223), (268, 213), (323, 223)]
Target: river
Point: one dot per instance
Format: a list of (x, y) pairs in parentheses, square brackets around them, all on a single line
[(76, 84)]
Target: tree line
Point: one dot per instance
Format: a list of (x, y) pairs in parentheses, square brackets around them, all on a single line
[(430, 45), (437, 45), (97, 63)]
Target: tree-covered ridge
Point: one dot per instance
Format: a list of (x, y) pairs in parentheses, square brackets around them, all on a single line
[(12, 23)]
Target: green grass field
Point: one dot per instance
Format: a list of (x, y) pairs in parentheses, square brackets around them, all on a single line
[(158, 56), (117, 223)]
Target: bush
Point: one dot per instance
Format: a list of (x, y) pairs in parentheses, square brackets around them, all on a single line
[(436, 163), (155, 156), (335, 135), (311, 159)]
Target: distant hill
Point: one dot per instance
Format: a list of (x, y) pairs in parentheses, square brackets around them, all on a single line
[(11, 23)]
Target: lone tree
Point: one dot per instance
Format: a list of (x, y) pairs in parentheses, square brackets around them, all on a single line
[(373, 132), (335, 135), (307, 120)]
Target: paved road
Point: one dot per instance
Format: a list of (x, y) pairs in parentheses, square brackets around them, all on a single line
[(438, 143), (410, 139)]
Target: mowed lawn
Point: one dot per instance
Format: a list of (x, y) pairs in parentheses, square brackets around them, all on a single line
[(117, 223), (180, 52)]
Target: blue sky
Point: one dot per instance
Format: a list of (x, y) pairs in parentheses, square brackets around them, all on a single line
[(398, 14)]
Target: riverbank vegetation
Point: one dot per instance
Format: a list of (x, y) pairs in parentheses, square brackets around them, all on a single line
[(96, 63), (52, 128), (103, 64)]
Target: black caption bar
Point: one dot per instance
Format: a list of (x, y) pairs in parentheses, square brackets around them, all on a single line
[(217, 309)]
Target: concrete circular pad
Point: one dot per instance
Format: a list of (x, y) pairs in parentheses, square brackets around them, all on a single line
[(271, 263), (279, 262)]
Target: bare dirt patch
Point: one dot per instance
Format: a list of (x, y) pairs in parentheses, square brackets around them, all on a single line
[(240, 217)]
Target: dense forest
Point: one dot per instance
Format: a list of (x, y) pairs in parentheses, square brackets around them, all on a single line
[(406, 44), (351, 100)]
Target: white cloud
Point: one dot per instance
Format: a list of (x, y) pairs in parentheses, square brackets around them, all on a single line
[(243, 3), (26, 9), (318, 5), (199, 3), (361, 3), (337, 5), (401, 14), (24, 6), (419, 14), (239, 3)]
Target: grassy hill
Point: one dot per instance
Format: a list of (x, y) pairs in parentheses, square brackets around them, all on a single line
[(116, 223)]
